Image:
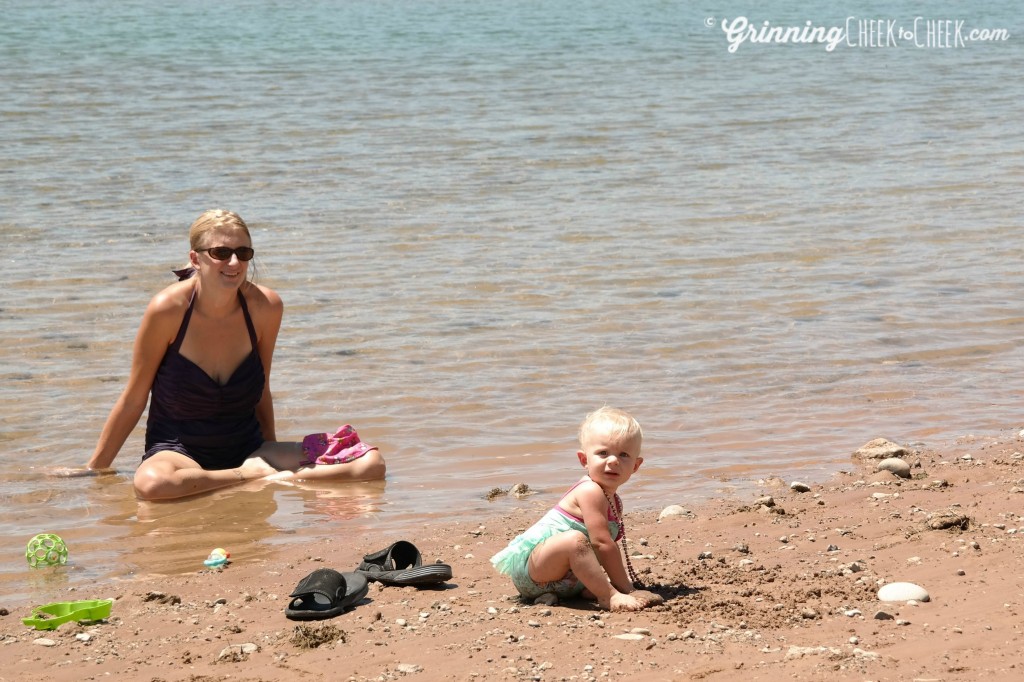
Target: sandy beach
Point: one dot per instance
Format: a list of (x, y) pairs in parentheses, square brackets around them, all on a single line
[(755, 589)]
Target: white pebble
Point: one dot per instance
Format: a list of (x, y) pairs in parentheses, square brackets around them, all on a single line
[(674, 510), (895, 466), (894, 592)]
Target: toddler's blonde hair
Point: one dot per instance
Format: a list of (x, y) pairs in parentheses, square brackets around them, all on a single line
[(618, 423)]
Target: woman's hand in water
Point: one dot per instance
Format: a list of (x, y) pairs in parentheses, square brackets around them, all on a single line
[(78, 472)]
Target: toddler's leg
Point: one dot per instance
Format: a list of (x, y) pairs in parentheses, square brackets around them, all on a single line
[(552, 559)]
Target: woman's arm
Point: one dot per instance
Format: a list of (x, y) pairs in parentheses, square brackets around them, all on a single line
[(594, 507), (269, 312), (156, 333)]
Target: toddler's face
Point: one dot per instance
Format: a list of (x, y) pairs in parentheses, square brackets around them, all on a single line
[(610, 460)]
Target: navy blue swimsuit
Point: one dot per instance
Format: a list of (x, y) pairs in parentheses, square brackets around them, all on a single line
[(192, 414)]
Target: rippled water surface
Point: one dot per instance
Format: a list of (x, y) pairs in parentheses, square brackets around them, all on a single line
[(485, 220)]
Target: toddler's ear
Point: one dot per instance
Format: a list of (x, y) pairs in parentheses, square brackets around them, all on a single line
[(639, 461), (582, 456)]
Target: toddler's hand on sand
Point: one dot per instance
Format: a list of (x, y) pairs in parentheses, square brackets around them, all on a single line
[(648, 598)]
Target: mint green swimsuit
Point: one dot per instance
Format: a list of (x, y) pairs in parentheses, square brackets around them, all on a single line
[(512, 561)]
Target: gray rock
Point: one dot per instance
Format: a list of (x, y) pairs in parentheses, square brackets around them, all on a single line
[(44, 641), (882, 615), (880, 448), (896, 466), (629, 636), (799, 487), (896, 592)]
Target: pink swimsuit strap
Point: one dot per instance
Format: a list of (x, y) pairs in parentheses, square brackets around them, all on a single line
[(559, 508)]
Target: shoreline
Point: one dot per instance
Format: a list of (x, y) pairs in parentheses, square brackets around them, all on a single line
[(788, 591)]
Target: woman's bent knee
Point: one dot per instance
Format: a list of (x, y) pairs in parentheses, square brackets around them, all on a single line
[(148, 484), (369, 467)]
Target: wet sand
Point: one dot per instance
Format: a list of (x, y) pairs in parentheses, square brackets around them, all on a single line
[(752, 592)]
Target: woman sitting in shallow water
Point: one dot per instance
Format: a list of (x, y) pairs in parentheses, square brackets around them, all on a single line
[(202, 357)]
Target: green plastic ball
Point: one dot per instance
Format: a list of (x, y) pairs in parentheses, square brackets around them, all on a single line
[(46, 549)]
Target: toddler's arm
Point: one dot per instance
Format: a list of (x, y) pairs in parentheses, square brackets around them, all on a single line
[(594, 507)]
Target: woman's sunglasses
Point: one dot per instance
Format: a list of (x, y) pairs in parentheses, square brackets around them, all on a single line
[(244, 253)]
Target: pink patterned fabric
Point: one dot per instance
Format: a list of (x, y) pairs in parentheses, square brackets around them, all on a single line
[(343, 446)]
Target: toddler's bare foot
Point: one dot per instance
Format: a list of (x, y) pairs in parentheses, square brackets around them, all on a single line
[(625, 602)]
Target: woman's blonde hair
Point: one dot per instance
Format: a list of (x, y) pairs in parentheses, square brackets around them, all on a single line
[(210, 221), (618, 423)]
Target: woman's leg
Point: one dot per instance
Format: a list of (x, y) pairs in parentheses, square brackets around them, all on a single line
[(287, 459), (169, 475)]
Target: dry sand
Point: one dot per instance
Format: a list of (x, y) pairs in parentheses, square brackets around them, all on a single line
[(783, 592)]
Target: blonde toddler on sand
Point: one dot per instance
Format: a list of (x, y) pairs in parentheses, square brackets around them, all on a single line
[(572, 550)]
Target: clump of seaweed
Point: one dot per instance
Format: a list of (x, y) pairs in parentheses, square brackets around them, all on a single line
[(519, 490), (313, 636)]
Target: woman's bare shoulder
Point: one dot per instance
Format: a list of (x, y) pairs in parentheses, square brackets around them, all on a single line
[(172, 300), (262, 297)]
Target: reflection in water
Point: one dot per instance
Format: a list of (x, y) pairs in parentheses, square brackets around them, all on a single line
[(176, 536), (114, 536), (341, 502)]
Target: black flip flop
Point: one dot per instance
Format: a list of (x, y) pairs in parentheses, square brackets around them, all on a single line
[(325, 593), (401, 565)]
